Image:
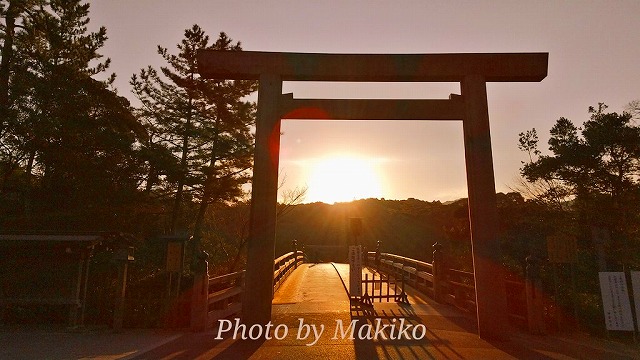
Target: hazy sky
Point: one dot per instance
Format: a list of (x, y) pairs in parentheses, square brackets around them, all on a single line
[(594, 56)]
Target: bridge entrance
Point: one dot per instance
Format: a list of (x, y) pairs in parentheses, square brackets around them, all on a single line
[(472, 71), (326, 253)]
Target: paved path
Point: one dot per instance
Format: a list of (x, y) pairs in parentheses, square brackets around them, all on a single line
[(314, 297), (60, 343)]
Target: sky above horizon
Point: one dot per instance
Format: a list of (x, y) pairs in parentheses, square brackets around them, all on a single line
[(593, 51)]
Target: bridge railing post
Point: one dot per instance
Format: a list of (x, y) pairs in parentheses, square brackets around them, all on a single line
[(294, 244), (365, 255), (535, 307), (200, 295), (378, 246), (439, 270)]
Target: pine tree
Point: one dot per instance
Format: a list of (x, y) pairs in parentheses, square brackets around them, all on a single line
[(596, 170), (204, 123), (14, 14), (76, 137)]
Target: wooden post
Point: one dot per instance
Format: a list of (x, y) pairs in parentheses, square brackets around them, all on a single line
[(200, 296), (438, 272), (256, 304), (483, 215), (556, 298), (122, 256), (118, 312), (73, 312), (295, 253), (85, 285), (533, 294)]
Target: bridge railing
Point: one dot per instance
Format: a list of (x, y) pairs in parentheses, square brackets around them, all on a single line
[(450, 286), (218, 297), (284, 266), (459, 289), (224, 295), (417, 273)]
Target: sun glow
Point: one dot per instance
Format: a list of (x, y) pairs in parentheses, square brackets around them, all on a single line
[(344, 178)]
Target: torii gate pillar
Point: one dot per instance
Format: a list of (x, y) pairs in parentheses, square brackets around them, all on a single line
[(483, 215), (472, 71), (256, 302)]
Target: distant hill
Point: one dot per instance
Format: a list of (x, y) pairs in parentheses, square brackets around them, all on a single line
[(405, 227)]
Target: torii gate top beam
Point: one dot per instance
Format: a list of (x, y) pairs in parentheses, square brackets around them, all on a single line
[(495, 67)]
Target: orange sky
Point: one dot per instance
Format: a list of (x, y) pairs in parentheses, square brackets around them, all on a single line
[(593, 49)]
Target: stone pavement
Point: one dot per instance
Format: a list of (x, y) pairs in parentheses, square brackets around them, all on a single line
[(313, 317)]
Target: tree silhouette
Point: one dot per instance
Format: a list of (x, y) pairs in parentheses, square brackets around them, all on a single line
[(68, 144), (597, 168), (205, 124)]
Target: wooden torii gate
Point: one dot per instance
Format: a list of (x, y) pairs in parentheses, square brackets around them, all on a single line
[(472, 71)]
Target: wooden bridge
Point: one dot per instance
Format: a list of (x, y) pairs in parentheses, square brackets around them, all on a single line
[(314, 316), (221, 296)]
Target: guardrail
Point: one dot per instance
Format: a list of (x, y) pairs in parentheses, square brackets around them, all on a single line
[(450, 286), (460, 290), (224, 296), (218, 297), (418, 274), (284, 266), (517, 301)]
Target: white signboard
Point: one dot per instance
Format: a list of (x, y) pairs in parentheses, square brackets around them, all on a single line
[(615, 301), (635, 284), (355, 270)]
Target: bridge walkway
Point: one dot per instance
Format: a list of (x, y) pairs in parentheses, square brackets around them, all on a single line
[(314, 297)]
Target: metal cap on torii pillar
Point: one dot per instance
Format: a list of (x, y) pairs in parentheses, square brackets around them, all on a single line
[(472, 71)]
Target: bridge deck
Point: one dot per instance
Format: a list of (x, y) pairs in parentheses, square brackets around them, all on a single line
[(315, 295)]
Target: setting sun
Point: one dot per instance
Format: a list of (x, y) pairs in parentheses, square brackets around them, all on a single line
[(343, 178)]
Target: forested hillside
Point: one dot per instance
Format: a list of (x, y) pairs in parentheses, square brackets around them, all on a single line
[(403, 227), (409, 227)]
